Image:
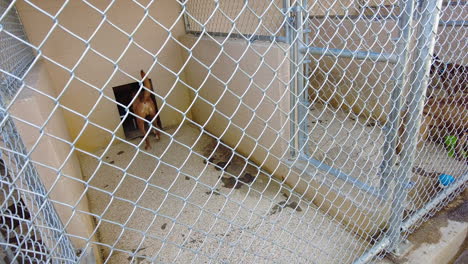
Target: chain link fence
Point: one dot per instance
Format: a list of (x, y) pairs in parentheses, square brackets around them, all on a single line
[(228, 131)]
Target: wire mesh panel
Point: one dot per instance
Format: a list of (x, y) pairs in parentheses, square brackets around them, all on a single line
[(244, 19), (442, 157), (31, 231), (228, 131)]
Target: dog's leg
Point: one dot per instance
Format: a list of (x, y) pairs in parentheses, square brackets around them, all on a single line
[(141, 126), (155, 130)]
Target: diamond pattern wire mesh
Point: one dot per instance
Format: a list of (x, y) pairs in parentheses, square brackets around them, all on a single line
[(29, 224), (289, 131), (445, 113)]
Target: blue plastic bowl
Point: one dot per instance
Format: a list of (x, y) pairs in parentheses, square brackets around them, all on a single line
[(446, 179)]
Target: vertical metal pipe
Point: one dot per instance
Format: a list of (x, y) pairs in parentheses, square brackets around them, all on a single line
[(287, 29), (185, 18), (392, 125), (429, 19), (302, 93), (290, 36)]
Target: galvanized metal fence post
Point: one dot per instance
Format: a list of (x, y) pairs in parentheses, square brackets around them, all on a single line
[(400, 75), (290, 38), (425, 37), (427, 29), (299, 94), (302, 93)]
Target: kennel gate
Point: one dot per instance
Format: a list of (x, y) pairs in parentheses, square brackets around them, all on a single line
[(427, 15), (418, 21)]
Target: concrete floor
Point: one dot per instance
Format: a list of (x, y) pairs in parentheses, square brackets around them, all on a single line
[(168, 206), (354, 146)]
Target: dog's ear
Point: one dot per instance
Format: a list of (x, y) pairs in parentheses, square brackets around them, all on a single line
[(146, 82), (142, 73)]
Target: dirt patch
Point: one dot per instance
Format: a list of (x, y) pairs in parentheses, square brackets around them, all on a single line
[(459, 213), (231, 182), (223, 158)]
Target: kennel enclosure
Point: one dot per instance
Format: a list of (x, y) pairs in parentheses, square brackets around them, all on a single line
[(281, 121)]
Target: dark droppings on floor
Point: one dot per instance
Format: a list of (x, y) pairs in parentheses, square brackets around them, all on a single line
[(210, 160), (215, 192), (187, 178), (120, 152), (295, 206), (193, 241), (248, 178), (231, 182), (112, 162), (163, 226), (136, 251), (107, 185), (137, 258), (319, 121), (222, 165), (279, 207), (422, 172)]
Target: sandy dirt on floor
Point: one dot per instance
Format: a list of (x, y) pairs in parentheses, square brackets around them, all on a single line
[(169, 206)]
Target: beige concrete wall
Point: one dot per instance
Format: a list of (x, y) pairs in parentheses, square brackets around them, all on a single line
[(68, 51), (246, 102), (50, 153), (353, 85)]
